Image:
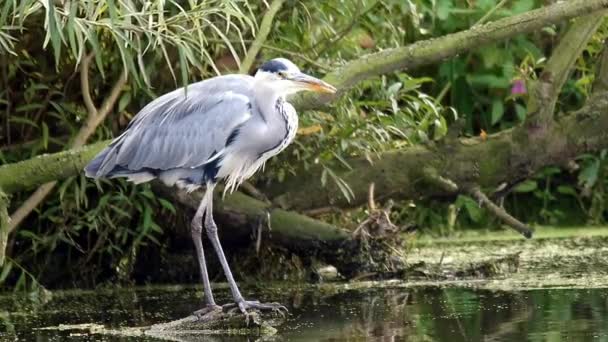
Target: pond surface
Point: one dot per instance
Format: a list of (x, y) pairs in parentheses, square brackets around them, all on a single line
[(378, 311)]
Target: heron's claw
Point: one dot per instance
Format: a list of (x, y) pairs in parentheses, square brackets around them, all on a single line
[(243, 305), (207, 309)]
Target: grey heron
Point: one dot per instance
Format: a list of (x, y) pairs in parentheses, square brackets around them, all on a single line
[(223, 128)]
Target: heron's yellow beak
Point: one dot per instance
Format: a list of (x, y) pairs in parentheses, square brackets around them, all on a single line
[(314, 84)]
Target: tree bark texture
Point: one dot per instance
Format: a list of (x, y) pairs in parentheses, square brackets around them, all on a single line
[(508, 156)]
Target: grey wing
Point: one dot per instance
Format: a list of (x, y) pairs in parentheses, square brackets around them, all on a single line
[(180, 130)]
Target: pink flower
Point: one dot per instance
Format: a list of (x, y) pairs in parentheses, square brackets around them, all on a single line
[(518, 87)]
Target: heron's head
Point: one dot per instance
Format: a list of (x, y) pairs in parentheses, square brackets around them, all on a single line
[(286, 78)]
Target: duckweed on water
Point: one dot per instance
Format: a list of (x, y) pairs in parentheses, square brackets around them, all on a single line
[(543, 287)]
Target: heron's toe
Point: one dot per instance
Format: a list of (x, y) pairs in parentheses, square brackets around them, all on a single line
[(206, 310), (245, 305)]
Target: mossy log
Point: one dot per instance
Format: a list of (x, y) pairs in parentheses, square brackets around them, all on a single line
[(509, 156), (191, 328), (241, 215), (30, 173)]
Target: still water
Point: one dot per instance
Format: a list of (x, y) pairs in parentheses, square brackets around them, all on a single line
[(381, 313)]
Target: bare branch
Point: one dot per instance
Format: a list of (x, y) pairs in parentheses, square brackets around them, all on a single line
[(499, 212), (91, 124), (260, 38), (541, 105), (434, 178), (84, 84)]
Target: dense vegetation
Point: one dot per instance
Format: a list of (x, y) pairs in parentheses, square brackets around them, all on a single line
[(86, 232)]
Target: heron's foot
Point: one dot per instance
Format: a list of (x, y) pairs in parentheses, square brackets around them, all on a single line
[(209, 308), (245, 305)]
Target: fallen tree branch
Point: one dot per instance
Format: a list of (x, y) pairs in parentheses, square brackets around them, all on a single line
[(28, 174), (243, 212), (499, 212), (260, 38), (401, 174)]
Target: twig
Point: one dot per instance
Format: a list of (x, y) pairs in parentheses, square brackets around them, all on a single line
[(84, 84), (371, 203), (499, 212), (434, 178), (340, 35), (4, 225), (298, 55), (541, 106), (260, 38), (252, 191), (490, 12), (94, 118), (320, 211)]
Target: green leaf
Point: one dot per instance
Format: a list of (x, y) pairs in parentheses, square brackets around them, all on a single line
[(489, 81), (472, 208), (498, 109), (183, 66), (5, 271), (441, 128), (566, 190), (589, 174), (526, 186), (167, 205), (45, 136), (124, 101), (394, 88), (521, 112), (492, 56), (443, 9), (54, 31)]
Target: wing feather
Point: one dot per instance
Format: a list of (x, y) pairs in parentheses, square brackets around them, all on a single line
[(179, 129)]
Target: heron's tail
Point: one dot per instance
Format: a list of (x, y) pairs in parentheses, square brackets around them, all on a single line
[(98, 167)]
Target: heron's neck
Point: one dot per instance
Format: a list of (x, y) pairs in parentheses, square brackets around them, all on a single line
[(266, 99)]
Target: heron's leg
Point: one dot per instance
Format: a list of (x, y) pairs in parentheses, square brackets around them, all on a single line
[(211, 228), (240, 302), (196, 231)]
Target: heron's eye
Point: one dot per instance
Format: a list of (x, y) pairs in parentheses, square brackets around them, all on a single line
[(283, 74)]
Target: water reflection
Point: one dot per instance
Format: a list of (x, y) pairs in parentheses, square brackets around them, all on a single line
[(382, 314)]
